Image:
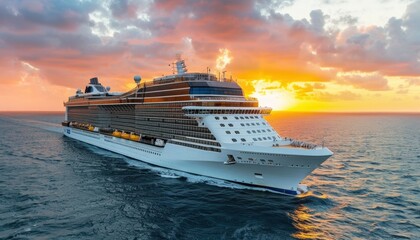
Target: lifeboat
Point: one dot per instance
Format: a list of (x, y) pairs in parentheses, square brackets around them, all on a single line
[(91, 128), (125, 135), (116, 133), (134, 137)]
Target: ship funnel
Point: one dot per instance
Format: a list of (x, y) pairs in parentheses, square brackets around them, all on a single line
[(94, 81), (137, 79)]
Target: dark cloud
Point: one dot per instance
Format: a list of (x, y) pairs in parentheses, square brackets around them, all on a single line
[(64, 41)]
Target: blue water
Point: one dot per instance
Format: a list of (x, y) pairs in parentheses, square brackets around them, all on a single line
[(53, 187)]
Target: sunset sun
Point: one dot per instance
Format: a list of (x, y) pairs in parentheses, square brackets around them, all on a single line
[(270, 94)]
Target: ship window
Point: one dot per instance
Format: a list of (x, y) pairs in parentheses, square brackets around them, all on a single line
[(216, 90), (252, 117), (236, 118), (254, 131), (264, 138), (237, 132), (255, 139), (246, 117), (243, 140), (222, 125), (228, 132), (260, 139), (88, 89), (242, 124), (253, 124), (249, 132), (263, 123), (256, 117), (100, 88), (230, 125), (242, 117), (234, 140), (217, 118), (258, 124), (263, 130), (259, 131), (268, 130), (247, 124), (225, 118)]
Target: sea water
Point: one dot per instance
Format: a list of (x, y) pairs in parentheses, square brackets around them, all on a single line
[(54, 187)]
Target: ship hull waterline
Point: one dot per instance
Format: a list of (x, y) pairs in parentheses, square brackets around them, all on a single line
[(281, 179)]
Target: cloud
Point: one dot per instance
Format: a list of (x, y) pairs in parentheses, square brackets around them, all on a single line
[(368, 81), (340, 96), (70, 41)]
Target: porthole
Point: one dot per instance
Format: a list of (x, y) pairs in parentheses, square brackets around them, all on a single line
[(217, 118), (225, 118), (264, 138), (246, 117), (230, 125), (242, 117), (234, 140), (259, 131), (253, 124), (258, 124), (260, 139), (249, 132), (255, 139), (237, 132), (222, 125), (236, 118), (263, 130), (228, 132), (247, 124), (254, 131), (242, 124)]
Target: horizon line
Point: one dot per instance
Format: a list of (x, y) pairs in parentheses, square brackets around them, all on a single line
[(273, 111)]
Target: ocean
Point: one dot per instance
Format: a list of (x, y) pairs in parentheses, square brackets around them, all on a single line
[(53, 187)]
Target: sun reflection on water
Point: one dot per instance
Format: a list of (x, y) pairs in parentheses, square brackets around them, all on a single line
[(302, 219)]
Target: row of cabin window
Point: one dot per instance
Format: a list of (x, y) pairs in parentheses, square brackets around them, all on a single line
[(237, 118), (255, 139), (249, 131), (243, 124)]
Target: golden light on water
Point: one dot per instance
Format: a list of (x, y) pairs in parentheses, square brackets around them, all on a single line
[(270, 94), (306, 229)]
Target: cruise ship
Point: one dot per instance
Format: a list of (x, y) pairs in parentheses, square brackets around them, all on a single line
[(196, 123)]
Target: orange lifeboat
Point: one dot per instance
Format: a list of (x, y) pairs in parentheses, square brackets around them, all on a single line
[(116, 133), (134, 137)]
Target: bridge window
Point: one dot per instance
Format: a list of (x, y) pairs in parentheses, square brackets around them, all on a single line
[(216, 91)]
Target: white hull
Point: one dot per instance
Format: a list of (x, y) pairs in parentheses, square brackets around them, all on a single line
[(281, 174)]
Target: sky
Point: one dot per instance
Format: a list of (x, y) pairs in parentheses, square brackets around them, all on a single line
[(293, 55)]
